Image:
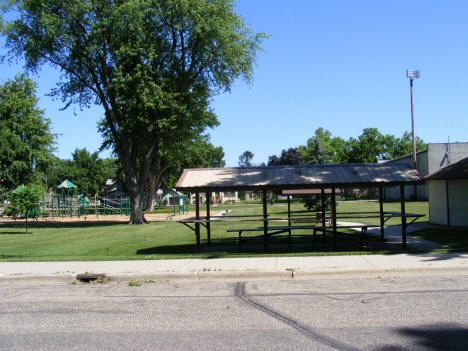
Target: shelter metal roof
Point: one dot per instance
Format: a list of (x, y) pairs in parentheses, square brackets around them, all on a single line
[(298, 177), (457, 170)]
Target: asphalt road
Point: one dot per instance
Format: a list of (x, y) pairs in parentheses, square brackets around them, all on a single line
[(405, 312)]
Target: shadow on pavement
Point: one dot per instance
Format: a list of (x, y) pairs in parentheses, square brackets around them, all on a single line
[(433, 338), (443, 257)]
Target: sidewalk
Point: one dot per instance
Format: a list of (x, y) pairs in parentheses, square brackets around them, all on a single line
[(393, 235), (245, 268)]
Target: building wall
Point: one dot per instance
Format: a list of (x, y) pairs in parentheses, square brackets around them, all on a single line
[(441, 155), (429, 161), (458, 205), (216, 197), (437, 202)]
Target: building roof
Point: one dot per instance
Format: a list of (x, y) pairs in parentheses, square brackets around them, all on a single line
[(309, 191), (66, 184), (457, 170), (297, 177)]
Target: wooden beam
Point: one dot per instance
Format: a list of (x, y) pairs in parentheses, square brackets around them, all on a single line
[(197, 216), (403, 215), (208, 223), (333, 210), (448, 201), (265, 219), (322, 192), (289, 221), (382, 218)]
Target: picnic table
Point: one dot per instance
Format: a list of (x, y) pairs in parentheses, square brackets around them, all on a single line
[(293, 225)]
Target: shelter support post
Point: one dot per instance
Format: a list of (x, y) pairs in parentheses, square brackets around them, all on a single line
[(333, 210), (265, 219), (197, 216), (447, 201), (403, 215), (208, 226), (289, 221), (322, 193), (382, 219)]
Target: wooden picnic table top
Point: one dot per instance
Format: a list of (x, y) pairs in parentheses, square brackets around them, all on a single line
[(295, 219)]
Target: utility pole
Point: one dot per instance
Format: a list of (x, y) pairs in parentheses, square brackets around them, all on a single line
[(412, 75)]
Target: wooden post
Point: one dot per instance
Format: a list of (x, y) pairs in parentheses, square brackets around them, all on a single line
[(382, 220), (322, 192), (265, 219), (289, 222), (197, 217), (403, 215), (333, 210), (447, 201), (208, 227)]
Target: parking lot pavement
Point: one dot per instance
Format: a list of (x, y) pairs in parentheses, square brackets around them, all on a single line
[(387, 312)]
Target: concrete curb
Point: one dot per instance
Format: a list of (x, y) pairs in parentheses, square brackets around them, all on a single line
[(238, 275)]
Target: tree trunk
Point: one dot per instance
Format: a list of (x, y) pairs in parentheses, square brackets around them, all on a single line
[(137, 205), (154, 182), (136, 184), (151, 192)]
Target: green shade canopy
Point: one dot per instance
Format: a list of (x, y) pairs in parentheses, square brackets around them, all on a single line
[(66, 184), (18, 189)]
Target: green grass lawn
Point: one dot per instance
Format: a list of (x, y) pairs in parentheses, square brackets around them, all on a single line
[(108, 241), (455, 238)]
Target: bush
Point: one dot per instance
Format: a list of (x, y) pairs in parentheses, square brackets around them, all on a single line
[(314, 202)]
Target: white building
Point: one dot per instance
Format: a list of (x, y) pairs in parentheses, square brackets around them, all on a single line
[(448, 195), (428, 161)]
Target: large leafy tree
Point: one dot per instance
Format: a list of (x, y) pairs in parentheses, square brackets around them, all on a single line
[(86, 170), (404, 146), (151, 64), (26, 143), (370, 146), (245, 159), (197, 153), (291, 156)]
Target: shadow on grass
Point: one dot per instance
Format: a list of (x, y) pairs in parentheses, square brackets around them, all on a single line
[(80, 224), (436, 337), (6, 257), (8, 233), (455, 238), (348, 244)]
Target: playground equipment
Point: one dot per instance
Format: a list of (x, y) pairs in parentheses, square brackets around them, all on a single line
[(64, 202)]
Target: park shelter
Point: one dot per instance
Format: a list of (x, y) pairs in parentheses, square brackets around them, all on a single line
[(278, 178), (448, 194)]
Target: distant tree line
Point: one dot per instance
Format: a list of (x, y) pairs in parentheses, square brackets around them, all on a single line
[(369, 147)]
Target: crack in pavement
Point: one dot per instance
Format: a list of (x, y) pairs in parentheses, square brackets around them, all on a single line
[(239, 291)]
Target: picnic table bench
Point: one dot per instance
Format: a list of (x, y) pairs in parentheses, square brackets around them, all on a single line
[(284, 229), (325, 223)]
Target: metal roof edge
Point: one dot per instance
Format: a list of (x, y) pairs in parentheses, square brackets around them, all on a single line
[(301, 166)]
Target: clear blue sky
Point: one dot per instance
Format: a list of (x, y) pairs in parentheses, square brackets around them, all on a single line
[(340, 65)]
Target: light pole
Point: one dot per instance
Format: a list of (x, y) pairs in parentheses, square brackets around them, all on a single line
[(412, 75)]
